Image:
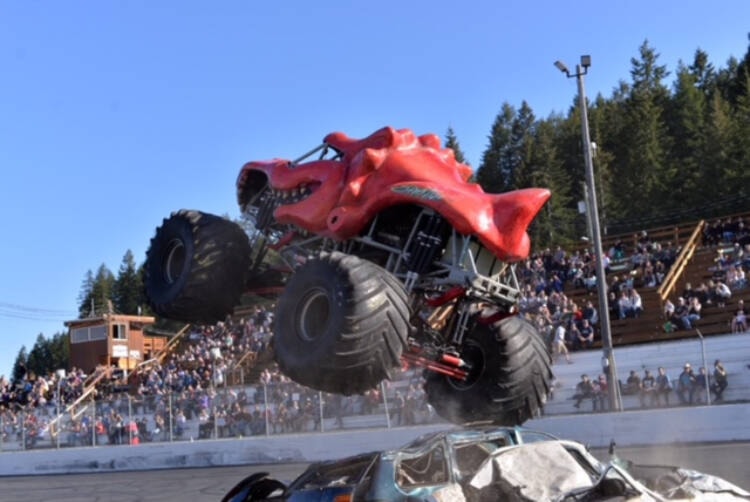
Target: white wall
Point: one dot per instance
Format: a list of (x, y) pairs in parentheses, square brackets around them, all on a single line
[(695, 424)]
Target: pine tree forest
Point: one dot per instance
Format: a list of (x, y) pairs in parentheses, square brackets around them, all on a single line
[(666, 150)]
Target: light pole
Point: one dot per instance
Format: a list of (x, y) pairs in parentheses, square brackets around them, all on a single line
[(608, 359), (58, 424)]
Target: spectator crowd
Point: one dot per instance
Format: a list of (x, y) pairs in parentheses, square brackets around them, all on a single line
[(191, 385)]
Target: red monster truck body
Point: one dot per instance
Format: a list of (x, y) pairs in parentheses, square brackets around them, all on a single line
[(391, 255)]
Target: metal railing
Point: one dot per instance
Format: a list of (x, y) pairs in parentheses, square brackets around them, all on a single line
[(678, 268), (227, 412)]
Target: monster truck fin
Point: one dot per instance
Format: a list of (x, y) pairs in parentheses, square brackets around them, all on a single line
[(382, 138), (513, 213)]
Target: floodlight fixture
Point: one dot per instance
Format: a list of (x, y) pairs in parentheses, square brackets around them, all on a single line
[(561, 66)]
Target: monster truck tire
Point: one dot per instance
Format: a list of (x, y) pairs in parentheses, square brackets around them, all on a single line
[(341, 324), (509, 381), (196, 267)]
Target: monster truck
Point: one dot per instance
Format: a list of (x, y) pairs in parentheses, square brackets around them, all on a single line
[(391, 257)]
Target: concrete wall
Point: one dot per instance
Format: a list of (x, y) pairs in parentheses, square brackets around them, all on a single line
[(732, 350), (684, 425)]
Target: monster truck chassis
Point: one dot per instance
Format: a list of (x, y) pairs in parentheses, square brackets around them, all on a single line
[(405, 286)]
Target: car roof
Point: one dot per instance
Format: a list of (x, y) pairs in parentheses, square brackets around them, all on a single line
[(473, 433)]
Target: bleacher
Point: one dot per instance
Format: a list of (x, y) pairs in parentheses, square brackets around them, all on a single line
[(696, 269)]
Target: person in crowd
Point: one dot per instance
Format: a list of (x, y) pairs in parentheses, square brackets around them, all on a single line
[(688, 291), (624, 305), (722, 260), (397, 414), (700, 386), (584, 336), (721, 294), (736, 278), (632, 385), (601, 393), (694, 310), (636, 303), (648, 389), (668, 309), (584, 390), (669, 316), (649, 278), (663, 386), (590, 313), (680, 317), (559, 345), (739, 319), (721, 380), (686, 385)]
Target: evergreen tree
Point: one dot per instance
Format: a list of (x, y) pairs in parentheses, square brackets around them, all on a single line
[(128, 287), (85, 294), (645, 173), (144, 304), (738, 167), (555, 224), (496, 166), (569, 140), (48, 355), (39, 362), (451, 141), (96, 292), (687, 126), (608, 119), (718, 138), (704, 73), (737, 84), (59, 348), (520, 148), (726, 79), (19, 366), (606, 188)]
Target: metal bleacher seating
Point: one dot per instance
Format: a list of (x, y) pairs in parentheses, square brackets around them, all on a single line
[(694, 266)]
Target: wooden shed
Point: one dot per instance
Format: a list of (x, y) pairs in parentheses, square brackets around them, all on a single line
[(112, 340)]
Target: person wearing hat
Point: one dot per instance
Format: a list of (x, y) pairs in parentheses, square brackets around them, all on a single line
[(686, 385)]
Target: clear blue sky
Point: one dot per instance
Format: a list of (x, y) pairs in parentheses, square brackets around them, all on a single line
[(115, 113)]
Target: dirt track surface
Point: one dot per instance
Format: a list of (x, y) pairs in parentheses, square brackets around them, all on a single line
[(728, 460)]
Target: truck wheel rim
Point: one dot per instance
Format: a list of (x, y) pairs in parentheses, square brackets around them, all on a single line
[(174, 261), (314, 315)]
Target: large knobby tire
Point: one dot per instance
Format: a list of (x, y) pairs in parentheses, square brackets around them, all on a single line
[(509, 380), (196, 267), (341, 324)]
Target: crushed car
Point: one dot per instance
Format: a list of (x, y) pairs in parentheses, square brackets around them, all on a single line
[(482, 465), (565, 471)]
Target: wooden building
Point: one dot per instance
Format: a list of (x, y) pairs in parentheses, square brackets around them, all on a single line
[(112, 340)]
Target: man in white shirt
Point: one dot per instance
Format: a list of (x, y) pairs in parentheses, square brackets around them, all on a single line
[(558, 344)]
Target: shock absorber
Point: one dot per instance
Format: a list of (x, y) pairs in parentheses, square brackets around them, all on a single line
[(268, 204)]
